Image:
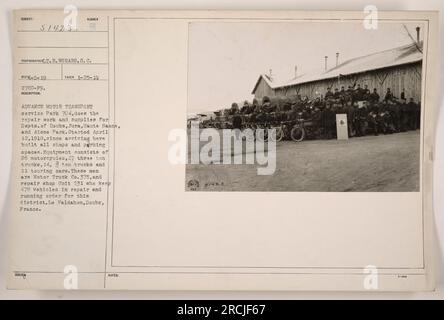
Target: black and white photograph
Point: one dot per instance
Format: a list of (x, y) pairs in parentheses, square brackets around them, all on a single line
[(319, 105)]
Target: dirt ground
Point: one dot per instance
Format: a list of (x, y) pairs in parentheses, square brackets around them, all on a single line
[(371, 163)]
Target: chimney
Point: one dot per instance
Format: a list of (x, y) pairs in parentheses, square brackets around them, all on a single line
[(337, 58), (326, 57), (270, 73), (295, 71), (417, 34)]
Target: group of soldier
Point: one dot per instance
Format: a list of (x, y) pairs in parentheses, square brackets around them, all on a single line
[(366, 112)]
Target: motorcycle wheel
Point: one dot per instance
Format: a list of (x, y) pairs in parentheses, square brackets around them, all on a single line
[(249, 137), (262, 135), (278, 135), (297, 134)]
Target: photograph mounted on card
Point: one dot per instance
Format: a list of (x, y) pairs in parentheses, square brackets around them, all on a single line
[(223, 150)]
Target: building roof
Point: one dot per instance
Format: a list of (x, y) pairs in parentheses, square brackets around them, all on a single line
[(270, 82), (388, 58)]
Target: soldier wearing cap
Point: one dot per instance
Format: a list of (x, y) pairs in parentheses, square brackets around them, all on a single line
[(358, 93), (395, 115), (373, 117), (328, 94), (245, 108), (374, 96), (342, 93), (366, 92), (388, 95), (336, 94), (234, 108), (256, 107), (259, 114), (350, 90), (266, 104), (361, 115)]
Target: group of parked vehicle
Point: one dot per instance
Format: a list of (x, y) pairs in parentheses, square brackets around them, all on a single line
[(297, 118)]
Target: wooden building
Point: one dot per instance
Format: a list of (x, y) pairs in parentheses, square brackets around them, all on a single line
[(398, 69)]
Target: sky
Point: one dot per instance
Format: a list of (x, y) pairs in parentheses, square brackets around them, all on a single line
[(225, 59)]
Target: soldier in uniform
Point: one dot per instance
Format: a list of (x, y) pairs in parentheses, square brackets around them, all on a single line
[(286, 105), (255, 106), (358, 93), (331, 120), (388, 95), (328, 94), (413, 120), (266, 105), (318, 102), (328, 121), (293, 114), (373, 117), (374, 96), (360, 120), (304, 112), (340, 107), (395, 115), (418, 114), (350, 110), (234, 108), (392, 120), (245, 108), (316, 116), (350, 90), (261, 117), (404, 116), (366, 93), (253, 116), (403, 94), (236, 123), (337, 94), (342, 93)]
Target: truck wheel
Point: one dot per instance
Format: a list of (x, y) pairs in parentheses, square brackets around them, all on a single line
[(297, 134)]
